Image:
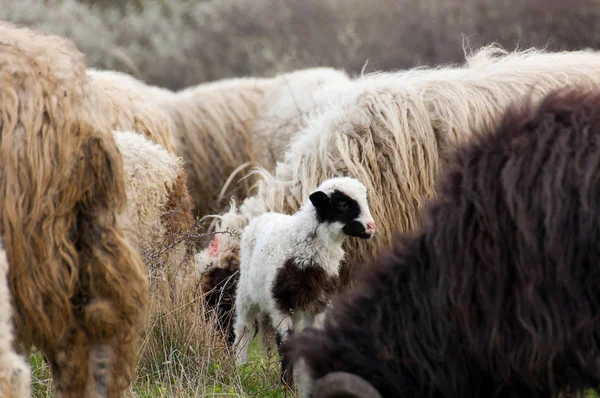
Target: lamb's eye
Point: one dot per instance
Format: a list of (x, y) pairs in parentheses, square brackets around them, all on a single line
[(342, 206)]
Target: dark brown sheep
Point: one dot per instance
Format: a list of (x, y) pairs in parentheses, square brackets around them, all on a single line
[(497, 294)]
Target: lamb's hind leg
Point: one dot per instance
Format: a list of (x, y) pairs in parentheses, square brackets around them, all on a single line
[(284, 328)]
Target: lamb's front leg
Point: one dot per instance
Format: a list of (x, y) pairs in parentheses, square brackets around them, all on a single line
[(284, 327), (245, 316)]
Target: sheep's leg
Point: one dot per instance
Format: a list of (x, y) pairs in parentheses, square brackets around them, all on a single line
[(284, 328), (266, 334), (70, 365), (100, 359), (15, 376), (244, 330)]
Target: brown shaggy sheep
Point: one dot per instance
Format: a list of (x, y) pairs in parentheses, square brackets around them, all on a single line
[(79, 288)]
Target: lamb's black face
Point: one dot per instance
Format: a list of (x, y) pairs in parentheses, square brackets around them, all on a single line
[(341, 208)]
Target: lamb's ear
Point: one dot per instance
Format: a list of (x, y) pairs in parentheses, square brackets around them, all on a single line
[(319, 199)]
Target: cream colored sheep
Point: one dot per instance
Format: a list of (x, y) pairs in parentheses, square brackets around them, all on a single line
[(285, 109), (120, 106), (215, 129), (151, 175), (223, 128), (393, 131), (120, 102), (15, 376)]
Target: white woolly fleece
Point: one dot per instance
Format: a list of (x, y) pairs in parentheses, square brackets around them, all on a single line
[(15, 376), (284, 110), (150, 174), (271, 239)]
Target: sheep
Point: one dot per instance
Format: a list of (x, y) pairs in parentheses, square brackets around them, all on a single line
[(150, 175), (285, 109), (495, 295), (78, 286), (215, 133), (289, 263), (122, 105), (15, 376), (394, 131), (221, 127)]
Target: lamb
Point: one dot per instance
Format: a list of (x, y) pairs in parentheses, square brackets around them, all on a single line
[(15, 376), (78, 286), (289, 263), (496, 294), (394, 131)]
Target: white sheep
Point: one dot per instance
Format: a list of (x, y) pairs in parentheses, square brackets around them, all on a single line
[(290, 263), (151, 176), (15, 376), (222, 128), (119, 102)]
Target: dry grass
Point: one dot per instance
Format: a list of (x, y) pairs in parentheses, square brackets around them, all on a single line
[(182, 353)]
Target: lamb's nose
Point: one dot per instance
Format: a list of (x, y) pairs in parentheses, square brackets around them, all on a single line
[(371, 227)]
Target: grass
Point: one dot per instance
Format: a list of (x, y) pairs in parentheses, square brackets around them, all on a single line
[(182, 354), (258, 378)]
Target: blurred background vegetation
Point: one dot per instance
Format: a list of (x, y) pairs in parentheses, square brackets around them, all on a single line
[(178, 43)]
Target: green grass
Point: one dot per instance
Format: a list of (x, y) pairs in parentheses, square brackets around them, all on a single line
[(258, 378)]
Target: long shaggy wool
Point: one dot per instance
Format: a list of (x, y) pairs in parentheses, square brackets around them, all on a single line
[(151, 174), (15, 376), (122, 105), (77, 284), (285, 109), (120, 102), (394, 131), (214, 127), (496, 295)]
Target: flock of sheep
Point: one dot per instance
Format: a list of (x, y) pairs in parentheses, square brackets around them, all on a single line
[(480, 179)]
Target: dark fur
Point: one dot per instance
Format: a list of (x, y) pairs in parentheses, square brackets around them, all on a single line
[(219, 286), (308, 288), (498, 294), (339, 207)]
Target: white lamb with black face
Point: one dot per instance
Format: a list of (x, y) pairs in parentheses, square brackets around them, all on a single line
[(290, 264)]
